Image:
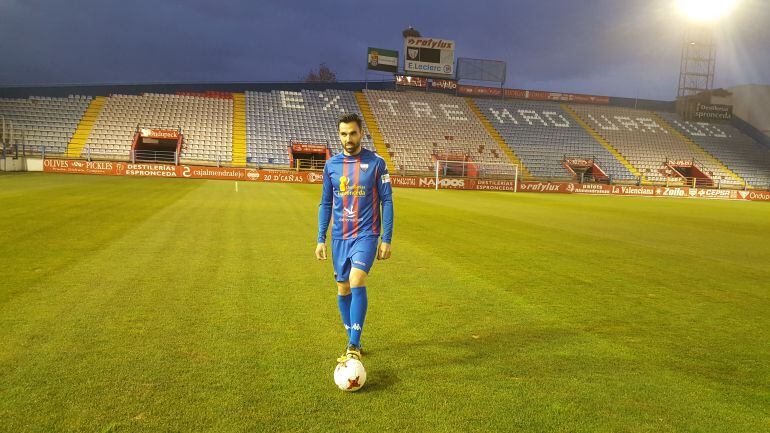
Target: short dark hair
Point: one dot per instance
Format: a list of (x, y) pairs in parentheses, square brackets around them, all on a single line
[(350, 117)]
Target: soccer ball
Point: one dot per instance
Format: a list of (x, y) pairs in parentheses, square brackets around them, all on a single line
[(350, 375)]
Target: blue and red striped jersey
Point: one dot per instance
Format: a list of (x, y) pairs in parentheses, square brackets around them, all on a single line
[(358, 197)]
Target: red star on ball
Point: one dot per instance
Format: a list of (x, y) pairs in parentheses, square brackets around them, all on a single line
[(353, 383)]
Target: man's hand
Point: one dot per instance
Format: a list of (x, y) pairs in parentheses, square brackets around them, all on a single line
[(384, 252), (320, 251)]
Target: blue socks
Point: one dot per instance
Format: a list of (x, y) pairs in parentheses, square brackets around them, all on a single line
[(353, 312), (358, 305), (344, 304)]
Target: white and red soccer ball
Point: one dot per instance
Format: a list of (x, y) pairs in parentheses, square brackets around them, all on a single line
[(350, 375)]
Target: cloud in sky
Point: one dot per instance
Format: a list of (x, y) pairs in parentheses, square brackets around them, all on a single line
[(620, 48)]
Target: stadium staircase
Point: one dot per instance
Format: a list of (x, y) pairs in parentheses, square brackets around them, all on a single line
[(601, 140), (86, 124), (496, 136), (379, 143), (705, 156), (239, 129)]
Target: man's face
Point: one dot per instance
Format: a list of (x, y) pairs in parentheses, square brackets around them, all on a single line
[(350, 136)]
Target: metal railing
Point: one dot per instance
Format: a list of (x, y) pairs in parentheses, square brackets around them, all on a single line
[(155, 156), (29, 150), (309, 164)]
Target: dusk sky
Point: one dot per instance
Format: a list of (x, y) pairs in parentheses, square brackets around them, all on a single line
[(608, 47)]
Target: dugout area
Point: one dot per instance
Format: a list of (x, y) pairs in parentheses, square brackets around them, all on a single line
[(690, 171), (156, 145), (585, 169), (309, 156)]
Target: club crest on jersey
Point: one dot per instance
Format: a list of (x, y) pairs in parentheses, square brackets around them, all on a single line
[(364, 167)]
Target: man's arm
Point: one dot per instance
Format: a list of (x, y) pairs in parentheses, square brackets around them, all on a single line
[(324, 214), (385, 193)]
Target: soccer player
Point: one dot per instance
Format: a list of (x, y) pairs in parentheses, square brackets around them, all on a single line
[(357, 196)]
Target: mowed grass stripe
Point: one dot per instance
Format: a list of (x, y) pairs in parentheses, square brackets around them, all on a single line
[(204, 310)]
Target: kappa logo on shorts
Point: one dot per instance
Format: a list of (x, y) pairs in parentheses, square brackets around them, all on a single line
[(358, 262)]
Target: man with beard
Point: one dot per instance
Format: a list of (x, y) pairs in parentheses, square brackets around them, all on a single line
[(357, 196)]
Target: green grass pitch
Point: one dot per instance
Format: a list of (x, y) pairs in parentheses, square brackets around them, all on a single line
[(156, 305)]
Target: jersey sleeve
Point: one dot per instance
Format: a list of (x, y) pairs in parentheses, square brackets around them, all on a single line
[(385, 193), (325, 207)]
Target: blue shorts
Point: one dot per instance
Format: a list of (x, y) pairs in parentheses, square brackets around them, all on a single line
[(353, 253)]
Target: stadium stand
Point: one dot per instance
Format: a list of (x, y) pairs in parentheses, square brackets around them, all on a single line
[(408, 128), (417, 125), (205, 121), (741, 153), (542, 134), (647, 142), (496, 136), (47, 123), (276, 119)]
